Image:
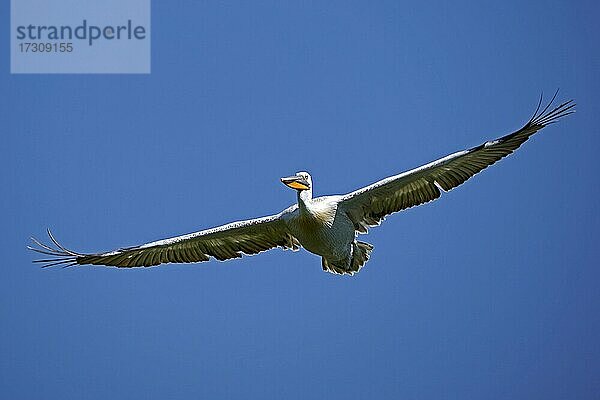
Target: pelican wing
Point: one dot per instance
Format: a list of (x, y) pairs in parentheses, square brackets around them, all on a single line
[(223, 243), (369, 206)]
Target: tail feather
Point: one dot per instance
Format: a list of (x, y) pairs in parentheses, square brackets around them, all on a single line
[(361, 252)]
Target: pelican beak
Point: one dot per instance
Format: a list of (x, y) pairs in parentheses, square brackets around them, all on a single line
[(296, 182)]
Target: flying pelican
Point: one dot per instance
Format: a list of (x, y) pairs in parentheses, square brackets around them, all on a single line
[(326, 226)]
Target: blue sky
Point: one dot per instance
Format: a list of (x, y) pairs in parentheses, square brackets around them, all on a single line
[(490, 292)]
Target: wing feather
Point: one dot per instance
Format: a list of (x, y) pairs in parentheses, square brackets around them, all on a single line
[(222, 243), (368, 206)]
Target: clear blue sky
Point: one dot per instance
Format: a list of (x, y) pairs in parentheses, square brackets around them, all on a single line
[(490, 292)]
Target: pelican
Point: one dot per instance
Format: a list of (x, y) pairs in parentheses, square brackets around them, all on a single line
[(327, 226)]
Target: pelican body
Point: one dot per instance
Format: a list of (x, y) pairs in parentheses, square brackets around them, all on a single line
[(322, 230), (326, 226)]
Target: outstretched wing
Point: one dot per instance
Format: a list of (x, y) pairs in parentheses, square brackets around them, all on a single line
[(369, 206), (223, 242)]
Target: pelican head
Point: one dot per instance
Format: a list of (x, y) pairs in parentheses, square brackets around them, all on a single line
[(301, 181)]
